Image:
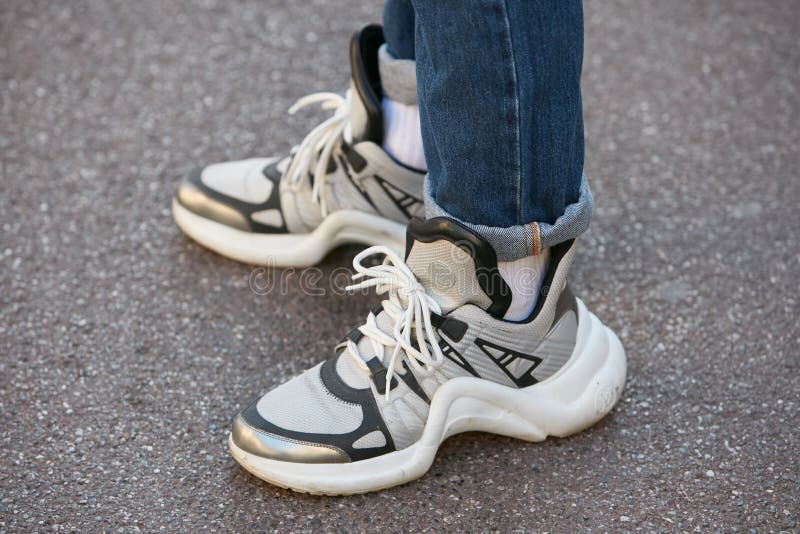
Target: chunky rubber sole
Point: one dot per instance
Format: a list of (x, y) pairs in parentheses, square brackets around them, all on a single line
[(581, 393), (291, 250)]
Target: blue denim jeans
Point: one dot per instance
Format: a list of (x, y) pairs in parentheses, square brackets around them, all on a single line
[(498, 85)]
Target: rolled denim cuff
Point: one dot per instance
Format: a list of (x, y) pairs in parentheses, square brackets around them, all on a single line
[(398, 77), (530, 239)]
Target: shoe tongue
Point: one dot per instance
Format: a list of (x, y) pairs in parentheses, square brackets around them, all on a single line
[(347, 369), (366, 116), (456, 266)]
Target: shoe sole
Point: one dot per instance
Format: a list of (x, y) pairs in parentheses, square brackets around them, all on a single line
[(291, 250), (581, 393)]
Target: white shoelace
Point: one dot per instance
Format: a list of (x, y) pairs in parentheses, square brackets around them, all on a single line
[(410, 308), (323, 139)]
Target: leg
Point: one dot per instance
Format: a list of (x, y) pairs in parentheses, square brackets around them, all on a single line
[(402, 139), (398, 27), (501, 116)]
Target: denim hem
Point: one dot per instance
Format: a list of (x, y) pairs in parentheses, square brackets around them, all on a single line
[(515, 242), (398, 77)]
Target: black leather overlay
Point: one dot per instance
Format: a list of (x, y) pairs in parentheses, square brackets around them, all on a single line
[(504, 357), (366, 78), (195, 196)]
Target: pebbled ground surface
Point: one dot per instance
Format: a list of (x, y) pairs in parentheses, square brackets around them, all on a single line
[(125, 348)]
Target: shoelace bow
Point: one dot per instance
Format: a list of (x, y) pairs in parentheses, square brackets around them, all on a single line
[(323, 140), (409, 307)]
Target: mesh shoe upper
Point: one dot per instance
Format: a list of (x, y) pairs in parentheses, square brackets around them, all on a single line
[(373, 395)]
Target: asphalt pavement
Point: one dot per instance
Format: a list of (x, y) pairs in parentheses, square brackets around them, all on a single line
[(125, 348)]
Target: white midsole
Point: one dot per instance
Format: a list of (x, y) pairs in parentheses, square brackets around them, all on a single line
[(291, 250), (576, 397)]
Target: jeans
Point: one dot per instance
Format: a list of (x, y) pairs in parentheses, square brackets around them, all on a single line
[(498, 85)]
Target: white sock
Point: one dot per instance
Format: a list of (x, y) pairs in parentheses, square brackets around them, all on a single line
[(402, 137), (525, 277)]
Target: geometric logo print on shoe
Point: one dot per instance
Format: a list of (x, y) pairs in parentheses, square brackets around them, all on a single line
[(506, 359)]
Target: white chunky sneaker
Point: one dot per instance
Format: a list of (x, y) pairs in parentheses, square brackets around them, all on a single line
[(338, 186), (434, 359)]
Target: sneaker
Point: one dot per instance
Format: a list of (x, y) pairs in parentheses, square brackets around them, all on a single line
[(337, 186), (434, 359)]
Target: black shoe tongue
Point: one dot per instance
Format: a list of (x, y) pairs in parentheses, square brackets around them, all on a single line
[(367, 114), (456, 266)]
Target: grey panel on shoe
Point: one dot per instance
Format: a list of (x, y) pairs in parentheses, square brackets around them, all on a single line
[(300, 213), (343, 193), (355, 184), (405, 415), (303, 404), (270, 217), (556, 348), (383, 203), (380, 163), (526, 338), (368, 441), (448, 274), (350, 374)]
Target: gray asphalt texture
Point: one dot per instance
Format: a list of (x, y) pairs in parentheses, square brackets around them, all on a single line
[(125, 348)]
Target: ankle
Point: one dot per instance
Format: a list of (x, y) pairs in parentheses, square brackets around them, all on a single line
[(402, 138), (524, 276)]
